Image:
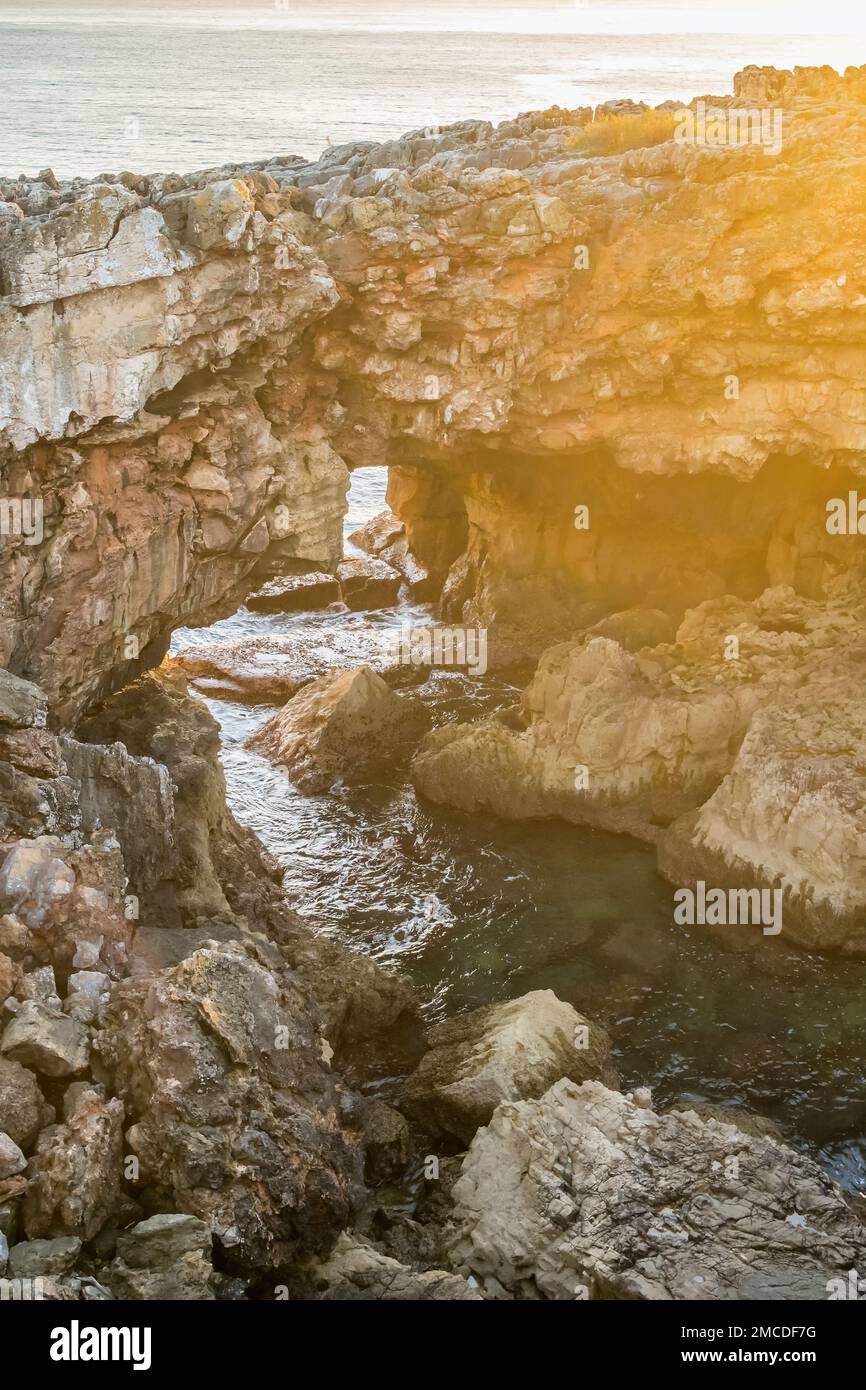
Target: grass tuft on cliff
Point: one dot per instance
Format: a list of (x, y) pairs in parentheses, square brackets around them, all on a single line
[(616, 134)]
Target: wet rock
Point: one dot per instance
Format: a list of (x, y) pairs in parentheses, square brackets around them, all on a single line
[(342, 725), (293, 593), (368, 1014), (356, 1271), (270, 670), (703, 747), (232, 1114), (385, 538), (23, 1112), (501, 1052), (49, 1042), (368, 583), (165, 1258), (586, 1192), (377, 533), (75, 1172), (387, 1142), (759, 1125)]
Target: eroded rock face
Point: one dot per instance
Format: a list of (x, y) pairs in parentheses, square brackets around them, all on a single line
[(734, 748), (584, 1193), (503, 1052), (342, 725), (524, 330), (231, 1111), (519, 321)]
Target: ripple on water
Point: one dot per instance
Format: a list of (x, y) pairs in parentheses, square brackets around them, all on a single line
[(477, 909)]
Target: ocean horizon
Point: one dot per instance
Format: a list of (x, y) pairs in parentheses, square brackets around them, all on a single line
[(95, 88)]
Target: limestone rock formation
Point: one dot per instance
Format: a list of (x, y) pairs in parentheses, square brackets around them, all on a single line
[(585, 1193), (231, 1112), (341, 725), (494, 311), (503, 1052), (736, 748), (616, 390), (270, 669)]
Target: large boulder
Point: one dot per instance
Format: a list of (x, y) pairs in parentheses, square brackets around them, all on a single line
[(49, 1042), (588, 1193), (166, 1258), (384, 537), (234, 1115), (511, 1051), (342, 725)]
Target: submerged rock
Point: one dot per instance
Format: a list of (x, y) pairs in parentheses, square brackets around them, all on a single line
[(585, 1193), (342, 725), (502, 1052), (269, 670), (368, 583), (293, 593)]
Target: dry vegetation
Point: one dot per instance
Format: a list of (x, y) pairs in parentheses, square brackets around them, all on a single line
[(616, 134)]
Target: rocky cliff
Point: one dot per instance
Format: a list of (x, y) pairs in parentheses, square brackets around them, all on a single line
[(670, 336), (617, 376), (609, 368)]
